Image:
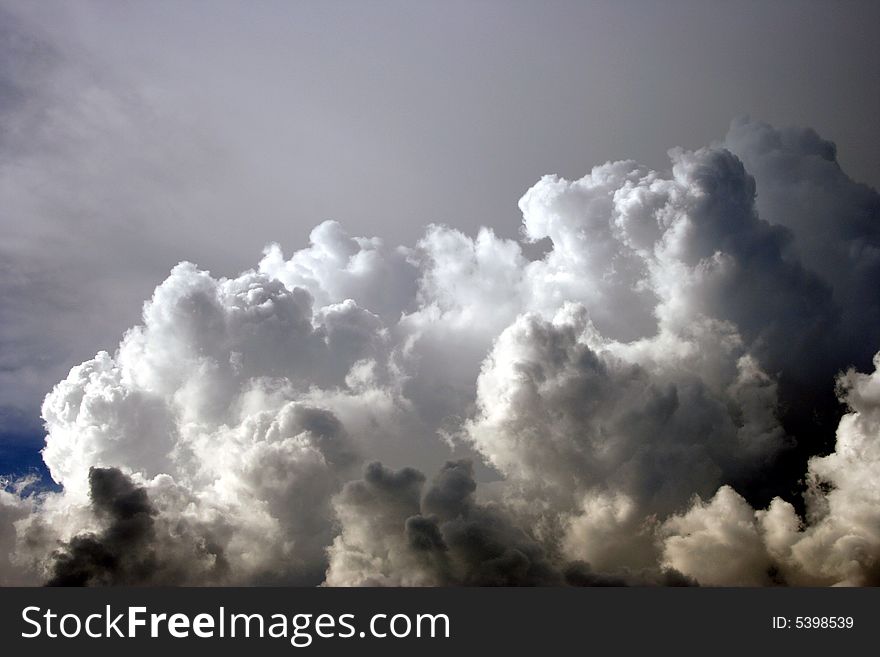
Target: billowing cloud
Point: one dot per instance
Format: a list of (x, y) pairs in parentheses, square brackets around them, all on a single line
[(13, 508), (214, 403), (336, 267), (636, 405), (126, 551), (834, 232), (613, 440), (393, 534), (724, 541)]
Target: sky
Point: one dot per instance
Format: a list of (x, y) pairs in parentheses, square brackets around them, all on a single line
[(459, 268)]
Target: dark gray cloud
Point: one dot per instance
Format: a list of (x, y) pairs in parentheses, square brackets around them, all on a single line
[(123, 553), (833, 229), (394, 533), (128, 549)]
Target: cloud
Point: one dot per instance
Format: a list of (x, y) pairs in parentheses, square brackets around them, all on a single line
[(396, 532), (393, 534), (843, 542), (209, 354), (799, 185), (636, 405), (617, 435), (13, 508), (833, 225), (215, 403), (719, 543), (726, 542), (565, 409), (123, 552), (336, 267), (135, 544)]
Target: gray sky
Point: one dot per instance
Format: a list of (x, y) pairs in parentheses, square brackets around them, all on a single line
[(140, 134), (387, 115)]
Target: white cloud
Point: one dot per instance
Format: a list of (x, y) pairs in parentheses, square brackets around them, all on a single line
[(718, 543)]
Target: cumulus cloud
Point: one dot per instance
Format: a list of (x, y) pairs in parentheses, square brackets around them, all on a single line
[(394, 534), (13, 508), (215, 404), (395, 531), (637, 405), (124, 552), (725, 541), (800, 186), (336, 267)]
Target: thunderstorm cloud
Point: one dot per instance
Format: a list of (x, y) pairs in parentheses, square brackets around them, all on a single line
[(683, 388)]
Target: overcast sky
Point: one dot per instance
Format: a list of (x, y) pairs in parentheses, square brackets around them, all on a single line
[(387, 115)]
